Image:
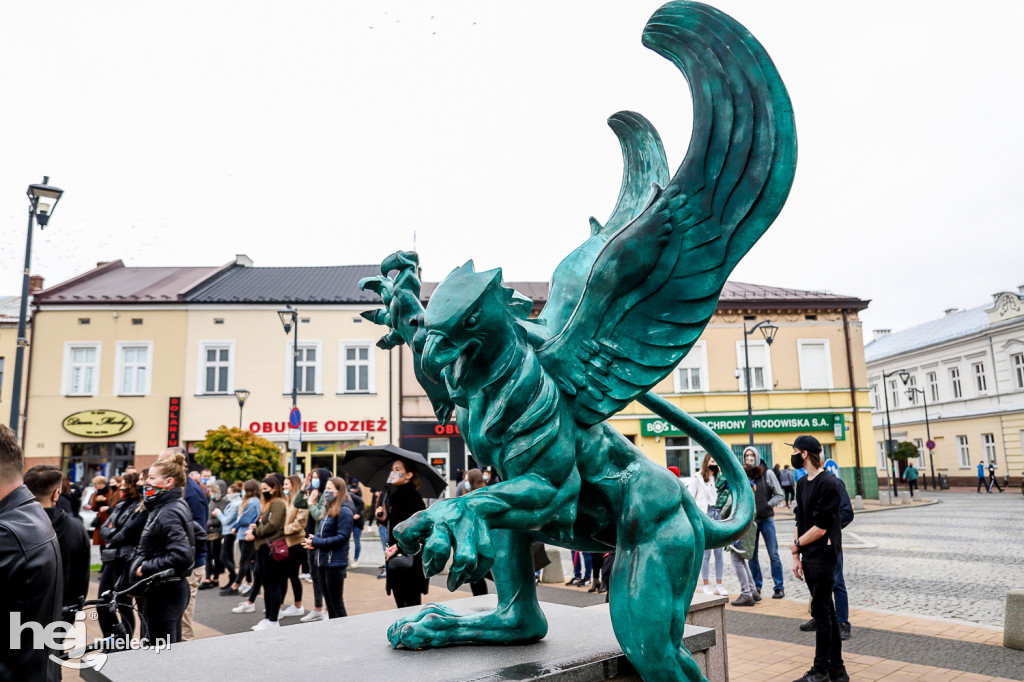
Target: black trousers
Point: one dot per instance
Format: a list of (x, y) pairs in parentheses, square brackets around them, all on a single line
[(407, 593), (993, 482), (162, 610), (292, 566), (246, 550), (227, 557), (274, 579), (788, 491), (332, 583), (108, 577), (214, 567), (912, 486), (820, 574)]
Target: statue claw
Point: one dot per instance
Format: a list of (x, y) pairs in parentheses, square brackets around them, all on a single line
[(399, 260)]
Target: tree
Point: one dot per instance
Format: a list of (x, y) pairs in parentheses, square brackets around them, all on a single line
[(905, 451), (236, 455)]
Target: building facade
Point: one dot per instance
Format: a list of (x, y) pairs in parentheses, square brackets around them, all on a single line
[(968, 369), (810, 379), (128, 361)]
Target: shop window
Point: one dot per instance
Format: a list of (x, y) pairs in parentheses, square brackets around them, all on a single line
[(692, 373), (134, 369), (677, 454), (356, 367), (83, 461), (963, 452), (216, 367), (954, 382), (760, 366), (309, 367), (81, 368), (764, 451), (815, 364)]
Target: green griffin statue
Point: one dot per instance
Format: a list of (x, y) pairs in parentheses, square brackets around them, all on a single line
[(531, 397)]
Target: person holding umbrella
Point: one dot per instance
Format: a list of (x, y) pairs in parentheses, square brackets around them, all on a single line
[(405, 579)]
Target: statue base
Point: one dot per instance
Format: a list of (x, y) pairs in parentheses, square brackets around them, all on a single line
[(580, 646)]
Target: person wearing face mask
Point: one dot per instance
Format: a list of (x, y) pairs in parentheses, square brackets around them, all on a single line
[(330, 546), (121, 541), (317, 504), (167, 541), (250, 511), (269, 528), (355, 497), (227, 517), (214, 534), (767, 495), (704, 489), (294, 534), (405, 579)]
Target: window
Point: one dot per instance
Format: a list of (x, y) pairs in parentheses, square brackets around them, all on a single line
[(685, 454), (764, 451), (875, 400), (134, 368), (963, 452), (760, 366), (912, 394), (979, 377), (815, 363), (989, 442), (954, 382), (137, 321), (1018, 369), (894, 394), (356, 367), (933, 386), (437, 455), (81, 368), (692, 373), (309, 367), (882, 459), (919, 444), (216, 367)]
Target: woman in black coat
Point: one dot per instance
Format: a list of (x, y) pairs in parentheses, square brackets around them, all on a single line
[(115, 553), (405, 579), (168, 541)]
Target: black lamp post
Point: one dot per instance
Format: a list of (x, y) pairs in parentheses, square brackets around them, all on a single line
[(290, 321), (911, 390), (241, 395), (768, 331), (42, 200), (905, 377)]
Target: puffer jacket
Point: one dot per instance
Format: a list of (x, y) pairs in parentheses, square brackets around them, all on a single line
[(168, 539), (331, 541), (295, 525)]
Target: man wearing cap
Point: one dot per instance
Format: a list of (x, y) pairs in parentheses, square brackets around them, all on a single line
[(816, 549)]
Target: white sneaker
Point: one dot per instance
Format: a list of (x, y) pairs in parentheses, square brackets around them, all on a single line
[(354, 563), (306, 576), (244, 588), (313, 616), (265, 625), (292, 611), (708, 590), (244, 607), (720, 590)]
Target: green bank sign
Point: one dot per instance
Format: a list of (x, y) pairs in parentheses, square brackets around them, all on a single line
[(770, 423)]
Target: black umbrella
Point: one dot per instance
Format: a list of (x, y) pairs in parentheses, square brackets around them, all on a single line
[(371, 464)]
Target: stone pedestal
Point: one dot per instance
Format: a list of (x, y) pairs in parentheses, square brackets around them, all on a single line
[(580, 646), (708, 611), (1013, 627), (858, 503), (905, 498), (553, 572)]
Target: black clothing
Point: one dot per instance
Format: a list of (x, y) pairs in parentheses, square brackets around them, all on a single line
[(227, 556), (30, 576), (246, 550), (818, 502), (162, 610), (360, 507), (762, 510), (819, 572), (787, 491), (75, 549), (64, 502), (332, 582), (214, 567), (168, 538), (292, 566), (274, 579), (112, 571), (405, 583)]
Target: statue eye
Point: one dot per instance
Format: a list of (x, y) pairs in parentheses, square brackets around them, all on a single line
[(470, 322)]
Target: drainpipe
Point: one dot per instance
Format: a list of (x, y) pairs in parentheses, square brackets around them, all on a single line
[(853, 403)]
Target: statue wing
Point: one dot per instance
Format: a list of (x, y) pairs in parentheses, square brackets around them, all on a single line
[(654, 284)]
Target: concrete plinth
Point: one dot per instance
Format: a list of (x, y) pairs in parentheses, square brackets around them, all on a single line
[(905, 498), (580, 646), (1013, 627), (553, 572), (858, 503)]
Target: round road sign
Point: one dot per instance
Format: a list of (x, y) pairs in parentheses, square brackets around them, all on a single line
[(832, 467), (295, 418), (930, 445)]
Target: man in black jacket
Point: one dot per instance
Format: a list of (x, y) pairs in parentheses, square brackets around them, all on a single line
[(30, 571), (44, 481)]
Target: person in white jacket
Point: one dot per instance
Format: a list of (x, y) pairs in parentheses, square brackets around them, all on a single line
[(705, 493)]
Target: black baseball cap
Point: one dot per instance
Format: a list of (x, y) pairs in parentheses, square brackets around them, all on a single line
[(808, 443)]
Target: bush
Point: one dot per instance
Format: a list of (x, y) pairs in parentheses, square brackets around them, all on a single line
[(905, 451), (237, 455)]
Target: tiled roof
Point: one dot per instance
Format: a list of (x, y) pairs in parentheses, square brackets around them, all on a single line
[(952, 326), (742, 293), (330, 284), (10, 309), (114, 283)]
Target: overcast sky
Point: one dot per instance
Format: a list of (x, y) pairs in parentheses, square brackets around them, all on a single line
[(325, 133)]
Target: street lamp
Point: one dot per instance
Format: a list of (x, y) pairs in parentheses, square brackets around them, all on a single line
[(768, 332), (290, 321), (241, 395), (911, 390), (42, 200), (904, 377)]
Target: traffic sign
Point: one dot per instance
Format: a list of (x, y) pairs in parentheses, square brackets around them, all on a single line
[(832, 467), (295, 418), (294, 439), (930, 445)]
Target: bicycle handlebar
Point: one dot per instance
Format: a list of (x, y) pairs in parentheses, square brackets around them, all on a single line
[(109, 597)]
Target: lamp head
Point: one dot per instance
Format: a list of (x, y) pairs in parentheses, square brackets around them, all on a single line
[(288, 318), (241, 395), (44, 200)]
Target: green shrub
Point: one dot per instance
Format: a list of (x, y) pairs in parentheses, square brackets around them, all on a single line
[(236, 455)]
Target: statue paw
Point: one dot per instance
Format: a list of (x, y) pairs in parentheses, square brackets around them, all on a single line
[(446, 526), (437, 626), (424, 629)]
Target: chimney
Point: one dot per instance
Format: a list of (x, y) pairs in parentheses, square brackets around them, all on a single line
[(35, 284), (879, 333), (243, 260), (950, 311)]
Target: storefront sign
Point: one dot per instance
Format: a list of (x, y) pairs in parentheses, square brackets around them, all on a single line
[(329, 426), (769, 423), (98, 423), (173, 422), (430, 430)]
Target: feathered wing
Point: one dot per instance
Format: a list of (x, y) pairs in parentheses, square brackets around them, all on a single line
[(655, 283)]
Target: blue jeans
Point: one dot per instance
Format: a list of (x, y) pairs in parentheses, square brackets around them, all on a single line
[(839, 594), (766, 528), (357, 534), (383, 530), (588, 565)]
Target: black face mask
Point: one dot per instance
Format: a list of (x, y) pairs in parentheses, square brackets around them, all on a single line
[(713, 468), (797, 460), (266, 495)]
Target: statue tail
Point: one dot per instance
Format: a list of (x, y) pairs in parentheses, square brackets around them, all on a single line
[(716, 533)]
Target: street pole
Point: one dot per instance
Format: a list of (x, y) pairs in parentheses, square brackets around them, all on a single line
[(295, 382), (893, 489), (746, 371), (19, 353), (928, 430)]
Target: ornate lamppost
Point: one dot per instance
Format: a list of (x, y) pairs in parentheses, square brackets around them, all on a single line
[(768, 331)]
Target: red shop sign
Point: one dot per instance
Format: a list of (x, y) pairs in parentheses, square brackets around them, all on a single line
[(329, 426)]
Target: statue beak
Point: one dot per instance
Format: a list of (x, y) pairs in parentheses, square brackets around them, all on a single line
[(438, 353)]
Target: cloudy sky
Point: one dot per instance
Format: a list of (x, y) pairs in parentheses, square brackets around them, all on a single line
[(333, 132)]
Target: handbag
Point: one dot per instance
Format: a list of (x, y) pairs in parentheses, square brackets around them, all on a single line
[(403, 562), (279, 549)]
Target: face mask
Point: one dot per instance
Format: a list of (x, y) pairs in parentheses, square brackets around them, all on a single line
[(469, 486), (266, 495), (797, 460), (329, 496), (287, 493), (315, 483), (713, 468), (151, 492), (394, 478), (487, 477)]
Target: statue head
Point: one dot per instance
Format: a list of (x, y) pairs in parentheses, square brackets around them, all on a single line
[(471, 318)]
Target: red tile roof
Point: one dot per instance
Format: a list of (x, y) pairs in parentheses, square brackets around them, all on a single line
[(114, 283)]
